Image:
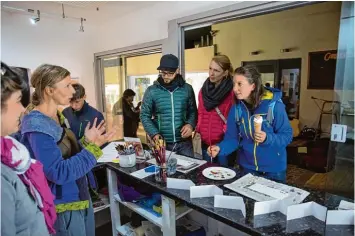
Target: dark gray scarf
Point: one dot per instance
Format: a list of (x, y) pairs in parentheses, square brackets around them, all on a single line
[(213, 96)]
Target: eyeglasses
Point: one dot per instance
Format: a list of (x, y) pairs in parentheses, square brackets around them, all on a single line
[(166, 73)]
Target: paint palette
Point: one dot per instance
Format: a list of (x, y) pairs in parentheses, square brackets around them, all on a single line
[(218, 173)]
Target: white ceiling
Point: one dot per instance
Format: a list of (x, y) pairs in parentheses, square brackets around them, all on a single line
[(108, 10), (91, 5)]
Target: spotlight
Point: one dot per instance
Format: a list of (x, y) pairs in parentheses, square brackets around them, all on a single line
[(285, 50), (37, 18), (34, 20), (255, 53)]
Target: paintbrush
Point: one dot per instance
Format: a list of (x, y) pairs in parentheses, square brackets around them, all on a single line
[(171, 152)]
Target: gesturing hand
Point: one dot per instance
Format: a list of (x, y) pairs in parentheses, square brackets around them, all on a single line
[(104, 138), (95, 133)]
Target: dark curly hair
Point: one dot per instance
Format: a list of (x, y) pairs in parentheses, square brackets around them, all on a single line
[(11, 82)]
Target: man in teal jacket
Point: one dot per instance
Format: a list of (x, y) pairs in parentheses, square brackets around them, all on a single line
[(169, 108)]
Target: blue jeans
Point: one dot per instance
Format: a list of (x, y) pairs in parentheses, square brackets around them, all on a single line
[(276, 176), (221, 160), (75, 223), (183, 148)]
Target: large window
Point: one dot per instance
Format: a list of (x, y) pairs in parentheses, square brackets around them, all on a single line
[(196, 80), (120, 69)]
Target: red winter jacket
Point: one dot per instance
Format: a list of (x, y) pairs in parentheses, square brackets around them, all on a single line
[(210, 125)]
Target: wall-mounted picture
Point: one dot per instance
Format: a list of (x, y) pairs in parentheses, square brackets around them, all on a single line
[(321, 69)]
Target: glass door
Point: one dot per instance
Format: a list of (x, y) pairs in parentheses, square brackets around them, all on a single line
[(133, 67), (141, 72), (340, 178), (113, 83)]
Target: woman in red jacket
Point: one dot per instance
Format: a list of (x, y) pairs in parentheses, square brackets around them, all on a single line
[(215, 99)]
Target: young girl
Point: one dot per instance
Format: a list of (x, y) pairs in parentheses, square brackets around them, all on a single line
[(261, 152)]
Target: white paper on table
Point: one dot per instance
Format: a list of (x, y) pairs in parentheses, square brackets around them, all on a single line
[(306, 209), (342, 217), (109, 153), (243, 184), (184, 184), (266, 207), (141, 174), (344, 205), (130, 139), (182, 161), (272, 192), (205, 191), (230, 202)]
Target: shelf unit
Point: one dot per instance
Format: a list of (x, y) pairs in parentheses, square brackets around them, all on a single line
[(167, 222), (180, 212), (122, 229)]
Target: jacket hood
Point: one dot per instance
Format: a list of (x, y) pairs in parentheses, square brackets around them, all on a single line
[(272, 94), (36, 121)]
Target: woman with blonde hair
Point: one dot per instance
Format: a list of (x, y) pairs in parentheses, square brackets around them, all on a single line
[(215, 99), (66, 162)]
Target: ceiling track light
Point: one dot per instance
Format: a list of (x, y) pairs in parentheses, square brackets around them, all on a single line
[(35, 19)]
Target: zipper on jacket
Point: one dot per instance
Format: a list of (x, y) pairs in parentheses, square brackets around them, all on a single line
[(209, 130), (245, 129), (255, 159), (172, 111), (251, 135), (172, 108), (81, 124)]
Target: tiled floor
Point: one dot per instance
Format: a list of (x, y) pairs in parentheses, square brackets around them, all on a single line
[(297, 175)]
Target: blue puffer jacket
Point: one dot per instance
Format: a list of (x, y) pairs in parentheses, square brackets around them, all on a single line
[(269, 156), (171, 110)]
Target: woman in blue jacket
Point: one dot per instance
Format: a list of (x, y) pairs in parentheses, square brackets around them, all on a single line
[(261, 153), (65, 161)]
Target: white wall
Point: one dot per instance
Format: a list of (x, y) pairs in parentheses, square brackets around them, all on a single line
[(52, 40), (57, 41)]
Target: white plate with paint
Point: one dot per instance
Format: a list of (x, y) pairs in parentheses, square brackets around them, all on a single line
[(218, 173)]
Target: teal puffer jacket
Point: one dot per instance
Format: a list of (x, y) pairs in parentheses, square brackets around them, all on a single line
[(165, 113)]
